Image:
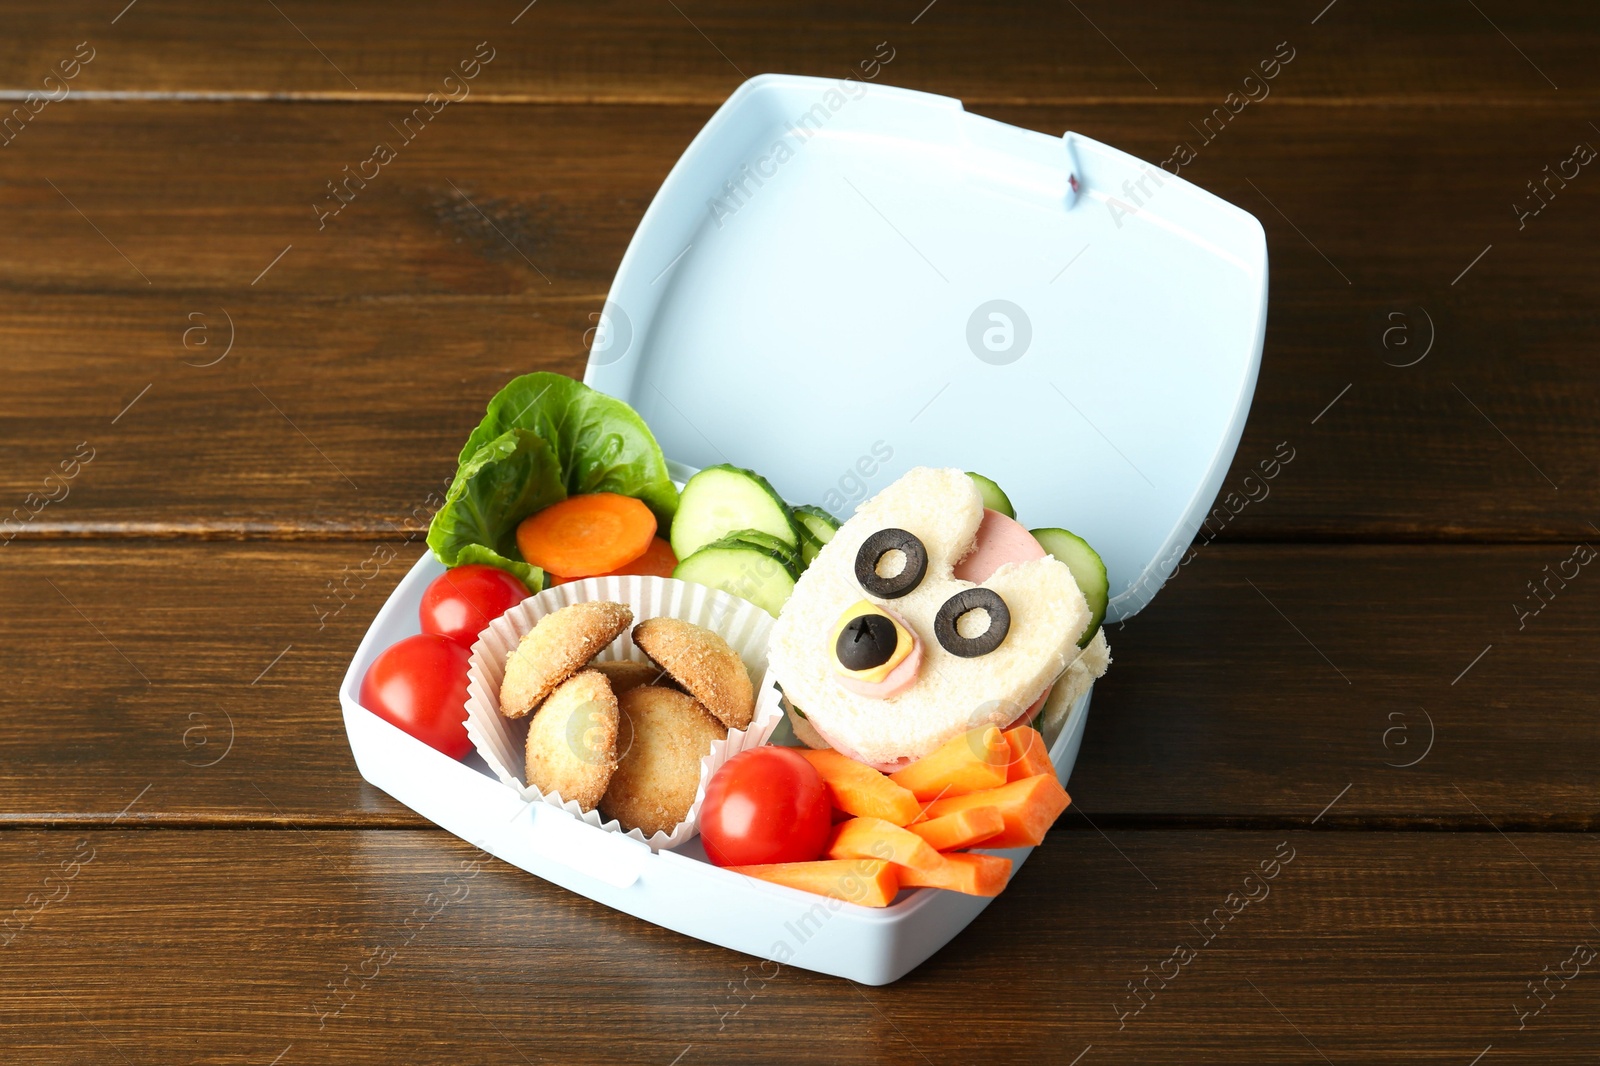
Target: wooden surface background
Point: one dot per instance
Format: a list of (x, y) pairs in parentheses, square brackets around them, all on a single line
[(1361, 618)]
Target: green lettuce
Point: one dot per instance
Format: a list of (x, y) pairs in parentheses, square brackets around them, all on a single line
[(600, 442), (544, 437), (500, 484)]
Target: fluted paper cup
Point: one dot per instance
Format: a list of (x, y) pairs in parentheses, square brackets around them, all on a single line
[(502, 741)]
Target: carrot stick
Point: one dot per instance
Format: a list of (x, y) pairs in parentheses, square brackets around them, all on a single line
[(583, 536), (974, 875), (1028, 755), (967, 762), (869, 882), (874, 838), (861, 790), (960, 829)]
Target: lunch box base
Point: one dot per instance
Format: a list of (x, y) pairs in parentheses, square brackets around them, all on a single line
[(676, 889)]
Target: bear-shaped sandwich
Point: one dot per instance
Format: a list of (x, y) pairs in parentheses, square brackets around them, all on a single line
[(924, 617)]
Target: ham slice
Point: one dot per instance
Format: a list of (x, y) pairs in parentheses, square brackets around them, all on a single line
[(1000, 540)]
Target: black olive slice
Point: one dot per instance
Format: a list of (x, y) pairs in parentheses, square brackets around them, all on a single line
[(965, 602), (881, 543), (869, 640)]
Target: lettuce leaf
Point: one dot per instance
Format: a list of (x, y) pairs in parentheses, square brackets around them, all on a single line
[(600, 443), (502, 482)]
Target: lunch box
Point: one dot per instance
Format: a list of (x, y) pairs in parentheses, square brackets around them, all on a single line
[(839, 281)]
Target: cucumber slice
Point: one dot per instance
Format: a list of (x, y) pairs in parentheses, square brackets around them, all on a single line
[(817, 527), (1087, 570), (994, 497), (769, 544), (721, 499), (742, 569)]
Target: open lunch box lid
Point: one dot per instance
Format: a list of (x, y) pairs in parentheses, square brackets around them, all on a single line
[(838, 282)]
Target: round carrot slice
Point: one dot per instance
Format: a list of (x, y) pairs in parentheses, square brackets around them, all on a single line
[(657, 561), (583, 536)]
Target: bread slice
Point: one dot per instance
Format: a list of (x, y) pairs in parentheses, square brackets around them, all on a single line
[(1070, 686), (952, 694)]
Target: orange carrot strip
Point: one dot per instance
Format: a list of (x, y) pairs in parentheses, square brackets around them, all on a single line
[(1028, 755), (874, 838), (973, 875), (1029, 807), (861, 790), (961, 829), (967, 763), (869, 882)]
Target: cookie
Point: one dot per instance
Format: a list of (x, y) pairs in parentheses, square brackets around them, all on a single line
[(703, 663), (665, 734), (558, 646), (572, 740), (625, 674)]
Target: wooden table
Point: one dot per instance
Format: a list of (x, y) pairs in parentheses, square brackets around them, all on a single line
[(253, 396)]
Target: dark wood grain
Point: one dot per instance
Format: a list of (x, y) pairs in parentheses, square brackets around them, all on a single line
[(1219, 710), (224, 947), (697, 52), (420, 306), (1354, 651)]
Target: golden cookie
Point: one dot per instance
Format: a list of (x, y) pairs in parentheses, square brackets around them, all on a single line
[(703, 663), (665, 734), (625, 674), (572, 740), (558, 646)]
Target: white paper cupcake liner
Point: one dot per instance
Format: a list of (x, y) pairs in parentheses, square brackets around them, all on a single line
[(502, 741)]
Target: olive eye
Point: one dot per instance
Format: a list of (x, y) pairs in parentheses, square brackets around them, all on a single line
[(872, 556), (947, 623)]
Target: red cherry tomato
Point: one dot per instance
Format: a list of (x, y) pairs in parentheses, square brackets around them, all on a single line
[(420, 685), (460, 603), (765, 805)]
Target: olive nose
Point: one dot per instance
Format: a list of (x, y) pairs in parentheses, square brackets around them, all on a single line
[(874, 651), (867, 641)]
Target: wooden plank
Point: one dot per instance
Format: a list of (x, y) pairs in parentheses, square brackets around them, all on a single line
[(1370, 217), (234, 199), (227, 947), (697, 52), (327, 418), (260, 441), (1268, 685), (419, 305)]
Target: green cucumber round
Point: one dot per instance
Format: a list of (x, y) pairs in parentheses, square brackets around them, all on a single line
[(817, 527), (721, 499), (769, 544), (742, 569), (1087, 570), (994, 496)]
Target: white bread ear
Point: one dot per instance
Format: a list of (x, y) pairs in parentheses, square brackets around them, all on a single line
[(951, 695), (943, 507)]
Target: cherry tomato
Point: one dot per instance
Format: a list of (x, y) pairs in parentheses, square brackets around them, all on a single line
[(460, 603), (420, 685), (765, 805)]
